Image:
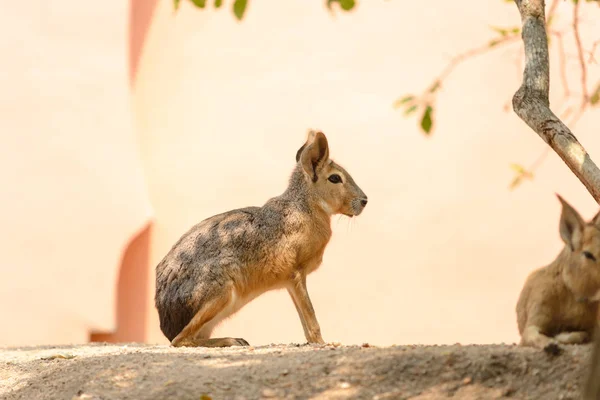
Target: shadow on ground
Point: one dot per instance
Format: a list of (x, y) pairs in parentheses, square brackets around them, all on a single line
[(135, 371)]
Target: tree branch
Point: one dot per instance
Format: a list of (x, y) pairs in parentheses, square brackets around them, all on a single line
[(592, 386), (531, 101)]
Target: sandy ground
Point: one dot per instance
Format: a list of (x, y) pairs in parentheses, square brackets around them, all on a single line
[(134, 371)]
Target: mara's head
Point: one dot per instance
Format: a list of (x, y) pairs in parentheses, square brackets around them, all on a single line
[(582, 270), (329, 184)]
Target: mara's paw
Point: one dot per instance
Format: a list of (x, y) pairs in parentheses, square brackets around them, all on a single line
[(227, 342), (572, 337), (214, 342), (239, 342), (553, 349)]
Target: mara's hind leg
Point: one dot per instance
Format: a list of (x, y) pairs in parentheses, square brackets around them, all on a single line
[(197, 332), (573, 337)]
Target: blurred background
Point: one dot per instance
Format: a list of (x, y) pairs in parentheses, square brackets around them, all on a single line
[(122, 124)]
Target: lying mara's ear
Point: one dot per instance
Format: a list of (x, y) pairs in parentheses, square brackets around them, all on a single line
[(571, 225), (596, 220), (314, 155)]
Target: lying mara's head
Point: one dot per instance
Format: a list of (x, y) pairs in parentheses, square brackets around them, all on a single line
[(582, 272), (329, 184)]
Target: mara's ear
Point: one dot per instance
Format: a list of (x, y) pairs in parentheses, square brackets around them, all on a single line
[(314, 154), (596, 220), (299, 152), (571, 225), (310, 137)]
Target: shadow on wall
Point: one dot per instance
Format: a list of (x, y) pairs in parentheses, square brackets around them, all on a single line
[(132, 293), (140, 17), (132, 286)]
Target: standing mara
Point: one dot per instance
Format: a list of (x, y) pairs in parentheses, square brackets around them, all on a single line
[(227, 260)]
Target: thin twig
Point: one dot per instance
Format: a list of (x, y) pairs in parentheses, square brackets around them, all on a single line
[(551, 10), (456, 60), (474, 52), (562, 62), (426, 97), (593, 51), (582, 64)]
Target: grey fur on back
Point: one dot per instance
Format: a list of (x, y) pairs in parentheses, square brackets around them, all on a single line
[(220, 248)]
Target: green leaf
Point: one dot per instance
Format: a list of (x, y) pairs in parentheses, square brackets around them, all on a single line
[(176, 4), (506, 31), (595, 97), (521, 175), (515, 182), (517, 168), (347, 5), (436, 85), (199, 3), (218, 3), (501, 31), (403, 100), (493, 42), (427, 120), (239, 8), (410, 110)]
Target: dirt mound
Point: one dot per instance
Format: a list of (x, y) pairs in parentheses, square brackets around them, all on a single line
[(133, 371)]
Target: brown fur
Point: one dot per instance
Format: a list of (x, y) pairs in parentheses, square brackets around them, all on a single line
[(227, 260), (559, 302)]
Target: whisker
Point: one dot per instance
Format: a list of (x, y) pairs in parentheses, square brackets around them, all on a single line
[(338, 220)]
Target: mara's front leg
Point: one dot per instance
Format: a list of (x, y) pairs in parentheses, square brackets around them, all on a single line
[(533, 336), (299, 294)]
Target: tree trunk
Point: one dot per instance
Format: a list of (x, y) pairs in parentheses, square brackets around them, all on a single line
[(531, 102), (592, 387)]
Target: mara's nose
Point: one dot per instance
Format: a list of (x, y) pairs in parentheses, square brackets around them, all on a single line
[(363, 202)]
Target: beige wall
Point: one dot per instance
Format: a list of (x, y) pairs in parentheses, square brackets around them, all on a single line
[(73, 192), (218, 110)]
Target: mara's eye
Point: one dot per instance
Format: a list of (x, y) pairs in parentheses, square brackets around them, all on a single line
[(335, 178), (589, 255)]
